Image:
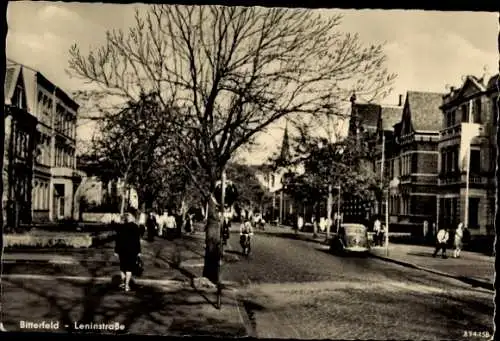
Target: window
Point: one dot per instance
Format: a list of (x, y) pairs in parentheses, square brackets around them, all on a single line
[(414, 163), (473, 213), (475, 161), (495, 111), (448, 119), (455, 159), (451, 160), (444, 168), (465, 114), (477, 111)]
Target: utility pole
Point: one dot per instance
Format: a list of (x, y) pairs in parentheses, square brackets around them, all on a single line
[(338, 207), (329, 211), (386, 196), (281, 205), (466, 213)]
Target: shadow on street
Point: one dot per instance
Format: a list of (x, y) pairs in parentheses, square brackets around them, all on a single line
[(146, 309)]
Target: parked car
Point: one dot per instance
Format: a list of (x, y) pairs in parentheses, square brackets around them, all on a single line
[(350, 238)]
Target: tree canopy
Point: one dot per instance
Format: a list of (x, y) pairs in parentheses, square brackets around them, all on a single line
[(229, 72)]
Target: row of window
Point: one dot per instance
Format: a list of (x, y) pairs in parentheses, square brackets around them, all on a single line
[(43, 154), (65, 121), (65, 157), (464, 111), (40, 195), (450, 213), (450, 160), (21, 144)]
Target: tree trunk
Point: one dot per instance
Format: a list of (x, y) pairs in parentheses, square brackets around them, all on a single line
[(316, 220), (124, 196), (211, 267)]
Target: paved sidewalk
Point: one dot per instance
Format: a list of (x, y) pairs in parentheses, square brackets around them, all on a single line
[(163, 259), (170, 308), (473, 268)]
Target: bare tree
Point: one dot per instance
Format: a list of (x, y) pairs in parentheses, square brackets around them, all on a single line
[(233, 71)]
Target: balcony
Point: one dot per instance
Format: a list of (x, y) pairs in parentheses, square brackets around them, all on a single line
[(63, 172), (475, 179), (461, 178), (456, 130)]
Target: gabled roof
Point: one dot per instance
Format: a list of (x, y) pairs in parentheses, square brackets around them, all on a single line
[(11, 77), (493, 83), (30, 78), (367, 115), (390, 116), (425, 110)]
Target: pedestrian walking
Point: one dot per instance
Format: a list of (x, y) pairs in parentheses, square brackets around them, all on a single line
[(322, 224), (425, 228), (458, 240), (142, 223), (161, 224), (441, 242), (151, 226), (382, 235), (376, 231), (128, 249), (300, 223), (189, 224), (170, 225)]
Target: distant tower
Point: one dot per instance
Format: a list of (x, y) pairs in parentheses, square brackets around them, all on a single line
[(285, 148), (353, 120)]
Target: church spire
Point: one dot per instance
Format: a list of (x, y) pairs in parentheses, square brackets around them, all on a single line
[(285, 146)]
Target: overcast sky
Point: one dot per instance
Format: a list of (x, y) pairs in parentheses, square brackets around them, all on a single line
[(426, 49)]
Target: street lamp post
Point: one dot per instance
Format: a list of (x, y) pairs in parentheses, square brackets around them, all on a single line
[(338, 206), (221, 250), (386, 196)]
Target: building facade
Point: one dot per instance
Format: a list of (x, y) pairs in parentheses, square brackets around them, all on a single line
[(467, 149), (412, 161), (53, 170), (20, 141), (373, 124)]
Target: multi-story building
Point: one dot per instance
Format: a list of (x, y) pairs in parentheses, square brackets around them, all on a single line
[(54, 176), (370, 122), (20, 141), (467, 148), (412, 159)]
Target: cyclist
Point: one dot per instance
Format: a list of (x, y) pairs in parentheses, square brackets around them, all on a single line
[(246, 231)]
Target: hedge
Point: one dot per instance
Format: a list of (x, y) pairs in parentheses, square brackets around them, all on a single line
[(55, 240)]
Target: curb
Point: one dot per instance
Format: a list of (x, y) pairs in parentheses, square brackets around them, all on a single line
[(468, 280), (56, 261)]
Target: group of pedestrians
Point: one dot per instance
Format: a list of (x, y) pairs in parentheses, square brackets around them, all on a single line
[(443, 238), (166, 225)]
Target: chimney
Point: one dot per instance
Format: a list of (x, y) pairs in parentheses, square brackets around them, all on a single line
[(400, 100)]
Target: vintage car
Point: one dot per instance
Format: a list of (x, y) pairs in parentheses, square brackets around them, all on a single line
[(350, 238)]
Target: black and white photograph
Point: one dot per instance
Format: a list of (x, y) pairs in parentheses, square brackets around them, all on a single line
[(230, 171)]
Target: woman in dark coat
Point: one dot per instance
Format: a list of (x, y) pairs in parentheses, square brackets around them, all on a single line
[(128, 249)]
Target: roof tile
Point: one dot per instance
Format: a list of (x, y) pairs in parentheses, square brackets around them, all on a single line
[(425, 112)]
